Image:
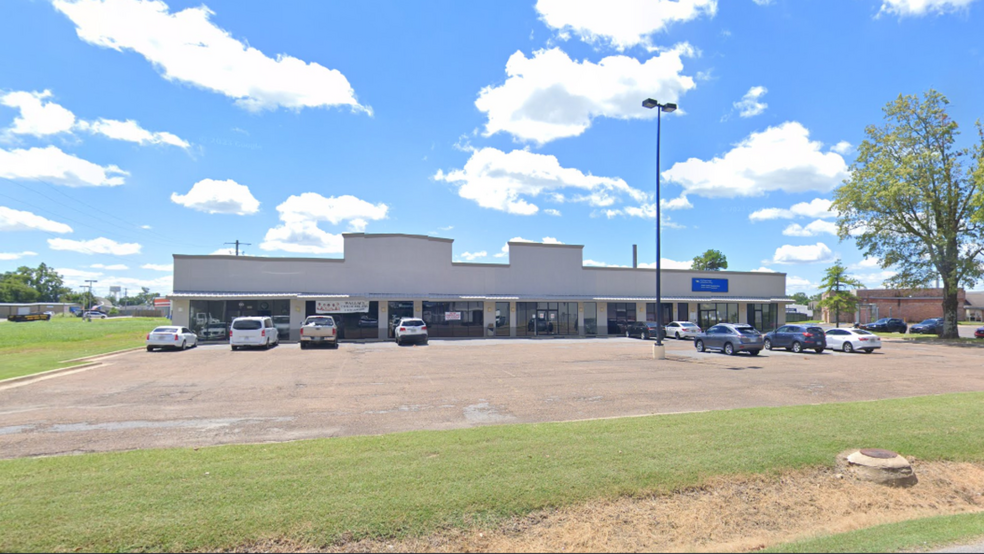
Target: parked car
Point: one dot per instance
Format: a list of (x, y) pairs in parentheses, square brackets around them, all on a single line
[(215, 330), (643, 329), (886, 325), (171, 338), (933, 325), (852, 340), (94, 315), (319, 329), (411, 330), (730, 338), (979, 333), (682, 330), (253, 331), (282, 323), (796, 338)]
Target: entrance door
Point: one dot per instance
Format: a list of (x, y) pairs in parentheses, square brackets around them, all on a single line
[(682, 314), (397, 311), (707, 319)]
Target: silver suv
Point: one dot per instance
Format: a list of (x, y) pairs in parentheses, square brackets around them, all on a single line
[(730, 338), (410, 330)]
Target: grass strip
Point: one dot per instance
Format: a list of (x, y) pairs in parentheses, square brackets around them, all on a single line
[(33, 347), (913, 535), (410, 484)]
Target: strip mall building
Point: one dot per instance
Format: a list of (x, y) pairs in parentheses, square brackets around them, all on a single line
[(544, 290)]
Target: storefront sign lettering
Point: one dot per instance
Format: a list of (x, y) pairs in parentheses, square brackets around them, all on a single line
[(709, 285), (452, 316), (341, 306)]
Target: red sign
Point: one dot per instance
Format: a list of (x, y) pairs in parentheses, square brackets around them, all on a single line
[(162, 303)]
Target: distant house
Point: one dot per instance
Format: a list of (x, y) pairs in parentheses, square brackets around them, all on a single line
[(911, 305), (974, 306)]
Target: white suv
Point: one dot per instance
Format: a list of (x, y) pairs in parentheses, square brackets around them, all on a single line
[(410, 329), (253, 331)]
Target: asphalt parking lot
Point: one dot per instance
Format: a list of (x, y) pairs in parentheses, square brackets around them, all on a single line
[(211, 395)]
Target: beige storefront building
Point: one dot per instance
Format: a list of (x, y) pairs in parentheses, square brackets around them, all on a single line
[(543, 290)]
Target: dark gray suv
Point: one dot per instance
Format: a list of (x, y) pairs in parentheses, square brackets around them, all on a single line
[(730, 338), (797, 338)]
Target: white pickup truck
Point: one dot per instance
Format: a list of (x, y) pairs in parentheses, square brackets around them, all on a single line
[(319, 329)]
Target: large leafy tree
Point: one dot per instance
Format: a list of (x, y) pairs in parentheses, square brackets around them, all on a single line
[(712, 260), (836, 290), (914, 199)]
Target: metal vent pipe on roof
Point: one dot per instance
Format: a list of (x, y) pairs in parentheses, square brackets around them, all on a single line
[(635, 256)]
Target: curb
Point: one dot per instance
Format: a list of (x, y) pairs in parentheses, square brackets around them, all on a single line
[(89, 362)]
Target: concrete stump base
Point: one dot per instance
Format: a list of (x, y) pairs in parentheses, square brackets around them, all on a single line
[(883, 467), (659, 352)]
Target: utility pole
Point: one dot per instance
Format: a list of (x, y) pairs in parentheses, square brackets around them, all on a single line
[(89, 303), (237, 243)]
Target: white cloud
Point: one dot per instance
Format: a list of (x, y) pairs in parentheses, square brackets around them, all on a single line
[(916, 8), (51, 164), (867, 263), (808, 254), (6, 256), (146, 227), (550, 96), (843, 147), (646, 211), (130, 131), (818, 208), (505, 248), (159, 267), (77, 275), (551, 211), (749, 105), (162, 285), (620, 23), (37, 116), (551, 240), (503, 181), (16, 220), (186, 47), (100, 245), (41, 118), (300, 215), (225, 252), (113, 267), (473, 255), (799, 284), (876, 279), (779, 158), (667, 263), (593, 263), (218, 197), (815, 228), (764, 270)]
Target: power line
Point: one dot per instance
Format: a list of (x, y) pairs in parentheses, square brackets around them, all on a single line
[(237, 243)]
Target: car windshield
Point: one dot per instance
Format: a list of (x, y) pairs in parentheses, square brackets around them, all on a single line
[(165, 330), (928, 322), (747, 331), (319, 321), (883, 320), (247, 324), (688, 324), (412, 323)]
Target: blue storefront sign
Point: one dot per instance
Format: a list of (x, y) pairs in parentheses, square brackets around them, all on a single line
[(709, 285)]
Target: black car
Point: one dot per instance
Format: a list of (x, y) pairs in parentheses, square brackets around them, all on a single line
[(887, 325), (642, 329), (932, 325), (797, 338)]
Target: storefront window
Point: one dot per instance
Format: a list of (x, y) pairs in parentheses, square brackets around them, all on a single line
[(764, 317), (590, 318), (620, 314), (208, 320), (502, 319), (351, 326), (453, 319), (667, 312), (712, 314), (397, 311)]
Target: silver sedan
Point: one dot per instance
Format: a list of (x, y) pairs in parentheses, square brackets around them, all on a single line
[(171, 338)]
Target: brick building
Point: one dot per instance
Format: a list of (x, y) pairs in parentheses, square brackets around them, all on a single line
[(911, 305)]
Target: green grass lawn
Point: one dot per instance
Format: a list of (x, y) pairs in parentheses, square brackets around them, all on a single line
[(36, 346), (411, 484), (919, 534)]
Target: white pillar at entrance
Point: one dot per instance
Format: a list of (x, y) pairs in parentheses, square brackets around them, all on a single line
[(580, 319)]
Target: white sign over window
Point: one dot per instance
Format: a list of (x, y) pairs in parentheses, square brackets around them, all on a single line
[(341, 306), (452, 316)]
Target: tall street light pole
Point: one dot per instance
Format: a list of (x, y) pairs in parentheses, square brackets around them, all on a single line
[(668, 107)]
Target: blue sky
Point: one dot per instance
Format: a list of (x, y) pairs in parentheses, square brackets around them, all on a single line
[(131, 130)]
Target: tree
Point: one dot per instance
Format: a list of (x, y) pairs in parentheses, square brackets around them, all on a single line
[(801, 298), (838, 296), (712, 260), (46, 281), (13, 289), (914, 199)]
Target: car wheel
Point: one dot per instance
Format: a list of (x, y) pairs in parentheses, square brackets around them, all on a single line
[(150, 349), (797, 347), (848, 347), (869, 350), (700, 345), (729, 349), (753, 352), (425, 342), (399, 341), (768, 344), (234, 348), (184, 345), (818, 350), (303, 346), (677, 335), (334, 345)]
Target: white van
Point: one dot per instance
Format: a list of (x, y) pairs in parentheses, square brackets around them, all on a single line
[(253, 331)]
